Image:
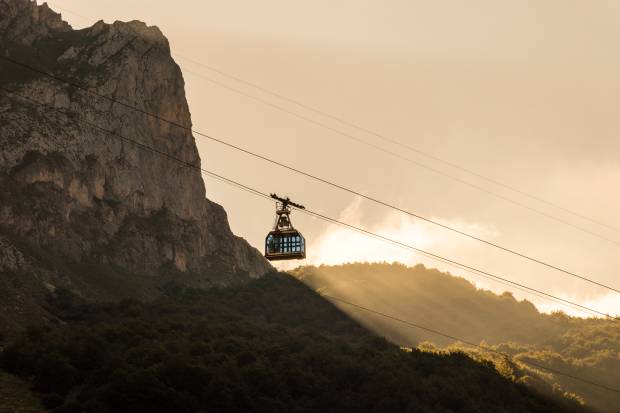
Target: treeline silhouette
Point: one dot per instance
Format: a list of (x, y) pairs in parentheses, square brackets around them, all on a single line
[(588, 348), (270, 346)]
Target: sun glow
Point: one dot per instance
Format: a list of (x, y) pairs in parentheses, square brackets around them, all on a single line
[(339, 245)]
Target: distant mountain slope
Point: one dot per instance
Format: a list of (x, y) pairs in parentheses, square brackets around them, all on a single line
[(437, 299), (270, 346), (588, 348), (80, 208)]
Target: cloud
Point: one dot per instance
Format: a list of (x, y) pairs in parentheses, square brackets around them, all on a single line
[(607, 303), (338, 245)]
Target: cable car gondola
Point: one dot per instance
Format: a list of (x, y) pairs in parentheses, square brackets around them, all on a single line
[(284, 242)]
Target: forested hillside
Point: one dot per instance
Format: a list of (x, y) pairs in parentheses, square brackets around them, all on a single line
[(270, 346), (588, 348)]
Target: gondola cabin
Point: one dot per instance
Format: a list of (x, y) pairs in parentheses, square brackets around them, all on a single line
[(284, 242)]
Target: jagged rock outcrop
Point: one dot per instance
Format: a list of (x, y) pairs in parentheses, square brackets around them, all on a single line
[(72, 195)]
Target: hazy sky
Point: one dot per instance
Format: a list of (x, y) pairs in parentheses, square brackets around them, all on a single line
[(524, 92)]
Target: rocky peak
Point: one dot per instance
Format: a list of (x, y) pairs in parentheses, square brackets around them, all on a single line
[(24, 21), (86, 195)]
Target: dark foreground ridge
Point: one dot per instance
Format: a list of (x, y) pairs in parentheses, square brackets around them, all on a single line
[(270, 346)]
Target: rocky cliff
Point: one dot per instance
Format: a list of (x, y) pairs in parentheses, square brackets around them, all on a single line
[(80, 207)]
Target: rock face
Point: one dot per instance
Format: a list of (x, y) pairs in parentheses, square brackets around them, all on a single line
[(74, 197)]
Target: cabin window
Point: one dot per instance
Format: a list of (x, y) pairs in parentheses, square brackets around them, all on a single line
[(284, 244)]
